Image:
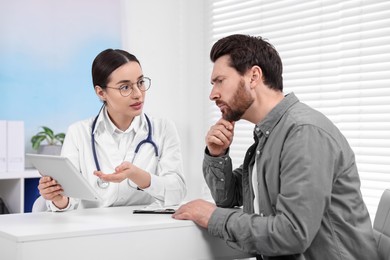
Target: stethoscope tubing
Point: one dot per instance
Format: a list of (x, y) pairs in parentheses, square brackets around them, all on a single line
[(102, 184)]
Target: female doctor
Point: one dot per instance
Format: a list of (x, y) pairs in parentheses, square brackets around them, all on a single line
[(128, 157)]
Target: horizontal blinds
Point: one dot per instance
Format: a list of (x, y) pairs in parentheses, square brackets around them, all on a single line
[(336, 57)]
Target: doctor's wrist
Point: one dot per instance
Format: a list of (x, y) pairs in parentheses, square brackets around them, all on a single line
[(61, 203), (140, 177)]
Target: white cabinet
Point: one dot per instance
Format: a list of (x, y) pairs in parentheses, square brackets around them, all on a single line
[(13, 190)]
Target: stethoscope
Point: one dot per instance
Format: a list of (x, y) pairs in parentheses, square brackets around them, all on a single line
[(104, 184)]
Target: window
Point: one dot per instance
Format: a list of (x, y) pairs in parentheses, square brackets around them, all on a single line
[(336, 57)]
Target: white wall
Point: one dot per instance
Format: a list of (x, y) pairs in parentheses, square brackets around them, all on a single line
[(168, 39)]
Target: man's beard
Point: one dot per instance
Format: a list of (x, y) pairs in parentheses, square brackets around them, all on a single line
[(240, 102)]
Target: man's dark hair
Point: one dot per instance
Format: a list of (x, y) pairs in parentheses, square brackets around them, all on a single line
[(247, 51)]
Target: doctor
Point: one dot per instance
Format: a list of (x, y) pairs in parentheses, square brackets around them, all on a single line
[(128, 157)]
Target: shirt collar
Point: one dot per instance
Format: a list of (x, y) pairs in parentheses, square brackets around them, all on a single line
[(272, 118), (104, 123)]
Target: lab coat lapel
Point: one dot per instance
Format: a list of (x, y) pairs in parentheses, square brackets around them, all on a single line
[(102, 137)]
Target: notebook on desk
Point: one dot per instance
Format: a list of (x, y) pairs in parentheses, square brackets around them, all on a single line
[(65, 173)]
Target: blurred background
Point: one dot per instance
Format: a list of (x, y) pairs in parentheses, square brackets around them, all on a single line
[(336, 58)]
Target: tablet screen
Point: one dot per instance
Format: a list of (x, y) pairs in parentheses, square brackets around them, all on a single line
[(61, 169)]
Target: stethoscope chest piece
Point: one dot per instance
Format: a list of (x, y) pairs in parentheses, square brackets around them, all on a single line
[(102, 184)]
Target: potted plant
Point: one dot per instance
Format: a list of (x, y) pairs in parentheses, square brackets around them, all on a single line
[(53, 141)]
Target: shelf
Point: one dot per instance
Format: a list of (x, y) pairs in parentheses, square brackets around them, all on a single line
[(19, 190), (28, 173)]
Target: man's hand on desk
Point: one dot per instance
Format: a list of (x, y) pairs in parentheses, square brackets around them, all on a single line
[(198, 211)]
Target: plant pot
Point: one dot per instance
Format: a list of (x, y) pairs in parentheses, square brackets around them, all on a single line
[(50, 149)]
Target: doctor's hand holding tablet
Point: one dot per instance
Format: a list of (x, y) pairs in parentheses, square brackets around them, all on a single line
[(127, 157)]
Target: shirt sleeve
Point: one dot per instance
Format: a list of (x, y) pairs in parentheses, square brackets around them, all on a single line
[(306, 175), (71, 205), (224, 183)]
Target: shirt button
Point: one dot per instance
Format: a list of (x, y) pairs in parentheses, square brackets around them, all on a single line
[(257, 152), (267, 132), (220, 162), (222, 179), (257, 129), (261, 215)]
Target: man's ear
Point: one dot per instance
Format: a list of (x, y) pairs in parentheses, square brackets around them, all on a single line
[(256, 74), (100, 93)]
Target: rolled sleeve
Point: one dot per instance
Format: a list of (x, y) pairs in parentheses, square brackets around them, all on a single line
[(224, 183)]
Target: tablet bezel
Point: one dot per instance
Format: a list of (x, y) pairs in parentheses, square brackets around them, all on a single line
[(65, 173)]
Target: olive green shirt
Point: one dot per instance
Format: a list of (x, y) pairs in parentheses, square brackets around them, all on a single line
[(309, 196)]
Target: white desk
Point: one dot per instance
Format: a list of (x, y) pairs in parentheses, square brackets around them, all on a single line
[(106, 233)]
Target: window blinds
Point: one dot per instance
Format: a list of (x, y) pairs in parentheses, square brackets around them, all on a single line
[(336, 58)]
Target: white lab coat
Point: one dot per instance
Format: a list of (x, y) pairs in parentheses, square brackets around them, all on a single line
[(167, 180)]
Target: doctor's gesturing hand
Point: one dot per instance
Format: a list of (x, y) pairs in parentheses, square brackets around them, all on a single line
[(219, 137), (127, 170)]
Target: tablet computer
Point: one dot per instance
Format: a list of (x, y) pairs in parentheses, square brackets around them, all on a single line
[(61, 169)]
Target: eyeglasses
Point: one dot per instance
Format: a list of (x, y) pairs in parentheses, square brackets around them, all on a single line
[(142, 84)]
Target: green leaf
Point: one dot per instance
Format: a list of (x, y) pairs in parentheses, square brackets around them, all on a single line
[(48, 135), (60, 137), (36, 141)]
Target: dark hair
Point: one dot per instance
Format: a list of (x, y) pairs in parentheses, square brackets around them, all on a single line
[(247, 51), (106, 62)]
